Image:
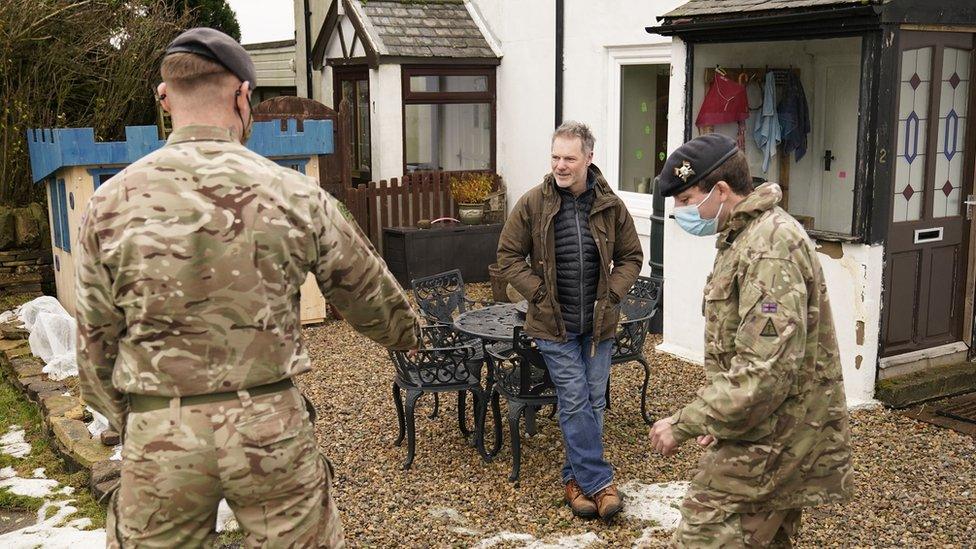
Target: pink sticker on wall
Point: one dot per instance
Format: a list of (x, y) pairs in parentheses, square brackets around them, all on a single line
[(842, 175)]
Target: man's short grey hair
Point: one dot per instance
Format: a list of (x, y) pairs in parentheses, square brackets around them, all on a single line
[(572, 128)]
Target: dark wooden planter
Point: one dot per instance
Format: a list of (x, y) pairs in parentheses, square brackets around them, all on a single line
[(412, 253)]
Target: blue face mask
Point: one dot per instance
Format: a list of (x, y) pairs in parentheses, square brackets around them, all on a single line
[(689, 218)]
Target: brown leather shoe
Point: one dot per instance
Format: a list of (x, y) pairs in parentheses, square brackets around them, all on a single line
[(581, 505), (609, 502)]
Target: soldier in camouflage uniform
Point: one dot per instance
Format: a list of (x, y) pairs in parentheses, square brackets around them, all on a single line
[(189, 270), (772, 414)]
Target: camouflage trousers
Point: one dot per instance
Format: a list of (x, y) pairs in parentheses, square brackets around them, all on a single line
[(703, 527), (257, 452)]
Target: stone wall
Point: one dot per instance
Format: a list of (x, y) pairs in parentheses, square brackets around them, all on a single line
[(26, 271), (65, 416)]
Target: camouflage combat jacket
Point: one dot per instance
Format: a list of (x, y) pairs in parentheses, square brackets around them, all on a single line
[(774, 394), (189, 270)]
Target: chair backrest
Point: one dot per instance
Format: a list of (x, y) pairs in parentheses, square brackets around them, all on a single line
[(435, 364), (525, 374), (646, 288), (635, 316), (440, 296)]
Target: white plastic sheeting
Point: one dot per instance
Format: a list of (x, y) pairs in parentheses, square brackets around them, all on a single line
[(52, 336)]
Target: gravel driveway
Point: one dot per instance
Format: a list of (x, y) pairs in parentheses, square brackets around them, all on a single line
[(915, 483)]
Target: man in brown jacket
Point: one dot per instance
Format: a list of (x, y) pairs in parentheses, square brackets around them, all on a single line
[(571, 249)]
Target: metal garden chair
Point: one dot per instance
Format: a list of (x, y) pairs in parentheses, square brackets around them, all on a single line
[(444, 364), (519, 374), (628, 345)]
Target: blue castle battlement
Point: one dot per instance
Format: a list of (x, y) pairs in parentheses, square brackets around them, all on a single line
[(54, 148)]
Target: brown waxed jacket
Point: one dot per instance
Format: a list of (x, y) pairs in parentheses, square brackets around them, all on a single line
[(529, 233)]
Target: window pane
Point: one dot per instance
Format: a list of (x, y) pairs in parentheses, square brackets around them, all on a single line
[(950, 148), (453, 83), (362, 126), (448, 137), (643, 125), (916, 81)]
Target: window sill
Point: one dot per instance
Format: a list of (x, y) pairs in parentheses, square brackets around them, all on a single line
[(827, 236)]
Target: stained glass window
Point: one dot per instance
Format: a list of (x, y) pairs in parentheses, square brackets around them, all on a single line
[(915, 88), (952, 130)]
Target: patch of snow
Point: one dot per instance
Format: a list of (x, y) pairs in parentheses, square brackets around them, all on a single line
[(656, 503), (226, 521), (49, 533), (502, 537), (866, 405), (31, 487), (117, 456), (13, 443), (451, 515), (65, 537), (80, 524), (7, 472), (580, 541), (39, 473)]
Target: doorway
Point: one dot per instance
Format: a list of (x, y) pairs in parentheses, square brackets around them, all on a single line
[(352, 84), (928, 238), (838, 150)]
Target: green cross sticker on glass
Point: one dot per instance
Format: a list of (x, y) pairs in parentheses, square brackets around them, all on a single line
[(647, 129), (661, 156), (643, 106), (639, 154)]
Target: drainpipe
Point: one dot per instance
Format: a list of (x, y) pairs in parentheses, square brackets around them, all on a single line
[(560, 12), (308, 49)]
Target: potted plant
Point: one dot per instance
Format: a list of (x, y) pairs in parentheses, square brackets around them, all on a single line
[(470, 191)]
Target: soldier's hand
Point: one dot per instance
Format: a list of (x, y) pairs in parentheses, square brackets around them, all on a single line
[(662, 438), (706, 440)]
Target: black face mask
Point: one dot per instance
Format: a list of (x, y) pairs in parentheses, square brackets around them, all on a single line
[(245, 128)]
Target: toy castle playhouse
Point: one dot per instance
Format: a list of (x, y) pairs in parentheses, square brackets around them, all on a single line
[(72, 165)]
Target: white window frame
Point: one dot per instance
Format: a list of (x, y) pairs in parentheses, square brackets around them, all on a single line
[(639, 204)]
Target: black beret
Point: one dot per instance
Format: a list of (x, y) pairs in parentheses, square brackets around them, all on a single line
[(692, 161), (216, 46)]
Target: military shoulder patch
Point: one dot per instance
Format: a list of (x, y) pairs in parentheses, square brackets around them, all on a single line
[(769, 330)]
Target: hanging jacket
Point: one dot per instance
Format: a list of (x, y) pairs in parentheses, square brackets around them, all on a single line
[(767, 131), (794, 117)]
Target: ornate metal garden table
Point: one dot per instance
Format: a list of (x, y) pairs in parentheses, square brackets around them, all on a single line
[(493, 323), (496, 323)]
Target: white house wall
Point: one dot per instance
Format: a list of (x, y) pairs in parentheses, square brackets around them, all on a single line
[(525, 89), (386, 121)]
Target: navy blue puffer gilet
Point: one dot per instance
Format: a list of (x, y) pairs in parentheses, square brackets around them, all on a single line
[(577, 260)]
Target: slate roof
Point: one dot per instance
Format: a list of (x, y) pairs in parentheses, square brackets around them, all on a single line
[(695, 8), (431, 28)]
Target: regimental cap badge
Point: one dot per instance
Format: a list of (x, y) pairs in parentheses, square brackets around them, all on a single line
[(684, 171)]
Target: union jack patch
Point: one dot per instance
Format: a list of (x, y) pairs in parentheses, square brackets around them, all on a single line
[(769, 308)]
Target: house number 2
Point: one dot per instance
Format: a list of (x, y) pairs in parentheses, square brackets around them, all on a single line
[(883, 156)]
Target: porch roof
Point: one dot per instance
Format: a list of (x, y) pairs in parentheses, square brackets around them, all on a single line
[(739, 20), (435, 28), (695, 8)]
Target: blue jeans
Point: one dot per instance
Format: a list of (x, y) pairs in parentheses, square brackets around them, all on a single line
[(581, 386)]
